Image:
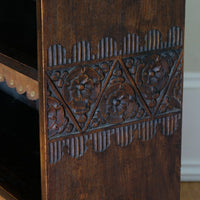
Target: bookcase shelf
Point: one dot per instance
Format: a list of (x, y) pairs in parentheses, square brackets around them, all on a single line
[(19, 144), (18, 47), (110, 105)]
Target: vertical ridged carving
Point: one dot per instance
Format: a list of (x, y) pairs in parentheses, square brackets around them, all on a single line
[(101, 140), (175, 37), (81, 52), (107, 47), (51, 151), (56, 55), (146, 130), (153, 40), (76, 146), (124, 135), (131, 44), (170, 124)]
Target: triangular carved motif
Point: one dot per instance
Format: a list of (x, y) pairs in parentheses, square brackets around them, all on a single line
[(119, 102), (172, 101), (59, 122), (80, 87), (151, 73)]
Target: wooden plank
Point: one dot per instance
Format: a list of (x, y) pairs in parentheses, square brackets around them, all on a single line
[(19, 66), (111, 98)]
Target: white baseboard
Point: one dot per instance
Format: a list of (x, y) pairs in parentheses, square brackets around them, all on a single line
[(190, 172)]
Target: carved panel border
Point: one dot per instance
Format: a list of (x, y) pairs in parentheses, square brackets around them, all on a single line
[(87, 97), (144, 130), (108, 47), (116, 93)]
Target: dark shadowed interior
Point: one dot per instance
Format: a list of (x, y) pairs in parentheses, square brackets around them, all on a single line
[(18, 30), (19, 149)]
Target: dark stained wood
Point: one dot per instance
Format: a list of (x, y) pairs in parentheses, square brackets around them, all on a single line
[(111, 81), (18, 66), (68, 22), (110, 98), (150, 170)]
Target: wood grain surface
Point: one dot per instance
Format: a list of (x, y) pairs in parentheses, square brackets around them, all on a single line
[(110, 98), (189, 191)]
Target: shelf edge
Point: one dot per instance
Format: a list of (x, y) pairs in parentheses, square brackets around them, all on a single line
[(22, 82), (4, 195)]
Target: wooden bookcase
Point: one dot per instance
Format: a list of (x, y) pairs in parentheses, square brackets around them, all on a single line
[(19, 130), (18, 47), (108, 77)]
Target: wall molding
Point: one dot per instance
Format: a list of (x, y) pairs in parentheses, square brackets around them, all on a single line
[(190, 168), (191, 80), (190, 171)]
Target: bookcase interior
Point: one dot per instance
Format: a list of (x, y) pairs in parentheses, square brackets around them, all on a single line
[(19, 149), (18, 35)]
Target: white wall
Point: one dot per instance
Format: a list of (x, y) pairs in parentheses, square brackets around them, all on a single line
[(192, 36), (191, 132), (191, 97)]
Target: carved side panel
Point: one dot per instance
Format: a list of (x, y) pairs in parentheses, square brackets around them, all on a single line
[(129, 93)]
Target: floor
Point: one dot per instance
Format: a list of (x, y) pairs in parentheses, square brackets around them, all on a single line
[(189, 191)]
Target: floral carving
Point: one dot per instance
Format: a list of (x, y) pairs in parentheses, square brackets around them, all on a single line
[(80, 90), (100, 95), (57, 121), (151, 74), (118, 103), (59, 77)]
